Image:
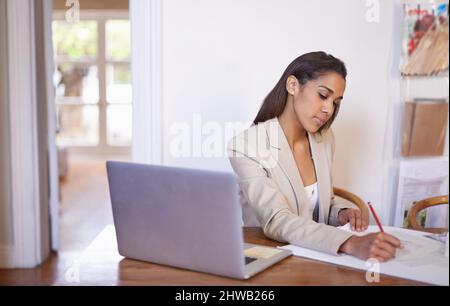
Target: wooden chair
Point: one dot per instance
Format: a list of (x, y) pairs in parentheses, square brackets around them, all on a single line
[(354, 199), (423, 204)]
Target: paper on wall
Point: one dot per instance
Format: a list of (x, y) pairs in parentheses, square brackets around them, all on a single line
[(420, 179)]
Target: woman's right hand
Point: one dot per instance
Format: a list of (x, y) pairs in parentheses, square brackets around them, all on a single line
[(380, 246)]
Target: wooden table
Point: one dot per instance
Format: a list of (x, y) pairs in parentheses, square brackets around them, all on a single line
[(100, 264)]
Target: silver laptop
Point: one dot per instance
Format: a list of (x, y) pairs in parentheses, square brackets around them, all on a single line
[(184, 218)]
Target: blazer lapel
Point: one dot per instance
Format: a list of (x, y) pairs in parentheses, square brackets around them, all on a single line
[(282, 153), (323, 176), (280, 146)]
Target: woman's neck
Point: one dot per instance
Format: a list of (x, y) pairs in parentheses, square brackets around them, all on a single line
[(292, 128)]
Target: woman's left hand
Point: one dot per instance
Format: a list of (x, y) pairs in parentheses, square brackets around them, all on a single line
[(357, 221)]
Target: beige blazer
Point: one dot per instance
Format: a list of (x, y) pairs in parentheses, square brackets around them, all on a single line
[(272, 192)]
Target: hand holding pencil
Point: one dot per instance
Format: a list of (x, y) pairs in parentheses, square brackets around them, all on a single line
[(380, 246)]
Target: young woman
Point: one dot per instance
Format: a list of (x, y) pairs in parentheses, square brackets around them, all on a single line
[(284, 162)]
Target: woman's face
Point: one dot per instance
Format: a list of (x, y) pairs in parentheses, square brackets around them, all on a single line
[(315, 101)]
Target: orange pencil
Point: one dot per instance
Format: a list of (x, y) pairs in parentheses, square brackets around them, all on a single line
[(375, 217)]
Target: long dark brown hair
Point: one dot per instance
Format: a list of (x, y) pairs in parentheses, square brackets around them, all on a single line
[(306, 67)]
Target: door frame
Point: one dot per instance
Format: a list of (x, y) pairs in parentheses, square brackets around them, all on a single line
[(29, 172), (146, 74)]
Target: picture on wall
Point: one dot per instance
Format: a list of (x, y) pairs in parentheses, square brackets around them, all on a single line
[(425, 39)]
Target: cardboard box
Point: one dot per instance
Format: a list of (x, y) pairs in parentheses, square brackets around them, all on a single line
[(424, 128)]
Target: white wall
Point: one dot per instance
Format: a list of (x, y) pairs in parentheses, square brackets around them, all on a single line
[(221, 57)]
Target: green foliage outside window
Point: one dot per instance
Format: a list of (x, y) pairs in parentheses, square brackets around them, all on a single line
[(118, 39), (75, 40)]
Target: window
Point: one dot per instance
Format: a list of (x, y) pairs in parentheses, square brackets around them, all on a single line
[(93, 82)]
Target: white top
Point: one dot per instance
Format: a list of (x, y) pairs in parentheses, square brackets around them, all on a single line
[(312, 194)]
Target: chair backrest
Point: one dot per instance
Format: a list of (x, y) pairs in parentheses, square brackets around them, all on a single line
[(353, 198), (423, 204)]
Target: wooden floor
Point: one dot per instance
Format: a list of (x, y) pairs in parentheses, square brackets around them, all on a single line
[(85, 206), (85, 211)]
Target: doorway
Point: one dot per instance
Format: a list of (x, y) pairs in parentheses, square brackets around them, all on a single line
[(93, 102)]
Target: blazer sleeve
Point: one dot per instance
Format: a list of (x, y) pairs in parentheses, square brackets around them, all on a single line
[(277, 220), (335, 206)]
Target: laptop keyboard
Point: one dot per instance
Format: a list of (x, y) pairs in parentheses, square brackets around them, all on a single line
[(249, 260)]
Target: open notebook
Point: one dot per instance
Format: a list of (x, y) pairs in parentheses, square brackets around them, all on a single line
[(422, 259)]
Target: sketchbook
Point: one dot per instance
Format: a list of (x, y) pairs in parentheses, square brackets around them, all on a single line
[(422, 259)]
